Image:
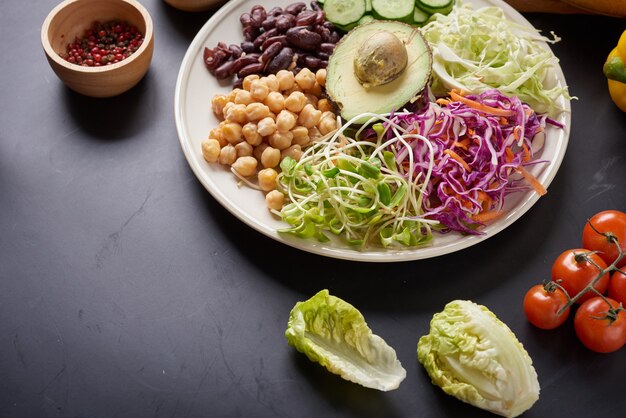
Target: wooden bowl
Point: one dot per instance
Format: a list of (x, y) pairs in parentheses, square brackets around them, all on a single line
[(195, 5), (70, 19)]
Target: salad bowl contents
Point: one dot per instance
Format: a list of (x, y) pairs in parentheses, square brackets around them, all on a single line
[(378, 139)]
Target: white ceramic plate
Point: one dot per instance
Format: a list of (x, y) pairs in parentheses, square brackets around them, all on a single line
[(195, 87)]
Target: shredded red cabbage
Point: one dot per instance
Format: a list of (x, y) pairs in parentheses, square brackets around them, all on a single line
[(477, 156)]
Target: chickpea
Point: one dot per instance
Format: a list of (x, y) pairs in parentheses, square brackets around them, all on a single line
[(258, 150), (216, 133), (244, 149), (236, 113), (211, 150), (243, 97), (324, 105), (327, 123), (266, 126), (246, 166), (226, 107), (294, 151), (247, 81), (295, 102), (257, 111), (217, 104), (280, 140), (300, 136), (232, 94), (309, 117), (274, 200), (272, 82), (259, 90), (232, 132), (285, 121), (228, 155), (311, 99), (286, 80), (250, 134), (291, 90), (320, 76), (305, 79), (314, 134), (275, 101), (270, 157), (316, 90), (267, 179)]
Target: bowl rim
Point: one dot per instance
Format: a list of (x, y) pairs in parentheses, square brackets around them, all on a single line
[(52, 54)]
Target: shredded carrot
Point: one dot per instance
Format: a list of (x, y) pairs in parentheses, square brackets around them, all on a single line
[(526, 152), (457, 157), (516, 132), (442, 102), (509, 154), (487, 216), (484, 199), (533, 181), (457, 96)]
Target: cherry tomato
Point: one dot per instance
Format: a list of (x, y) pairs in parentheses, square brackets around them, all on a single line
[(575, 272), (613, 223), (542, 304), (617, 287), (599, 328)]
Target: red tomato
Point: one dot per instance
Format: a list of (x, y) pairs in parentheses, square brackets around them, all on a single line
[(599, 328), (617, 287), (608, 223), (541, 306), (574, 272)]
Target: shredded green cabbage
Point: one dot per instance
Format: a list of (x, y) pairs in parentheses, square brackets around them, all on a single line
[(479, 49)]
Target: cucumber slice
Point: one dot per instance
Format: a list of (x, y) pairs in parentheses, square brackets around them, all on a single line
[(435, 6), (420, 17), (365, 19), (344, 12), (368, 6), (401, 10)]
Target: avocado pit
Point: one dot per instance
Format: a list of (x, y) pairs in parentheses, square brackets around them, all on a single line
[(380, 59)]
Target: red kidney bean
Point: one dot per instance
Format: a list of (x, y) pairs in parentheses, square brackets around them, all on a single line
[(262, 37), (312, 62), (269, 23), (302, 37), (334, 37), (323, 56), (255, 68), (295, 8), (281, 61), (244, 61), (235, 50), (315, 6), (212, 59), (282, 39), (250, 33), (246, 19), (258, 14), (270, 52), (327, 47), (248, 47), (225, 70), (275, 11), (323, 32), (306, 18), (285, 21)]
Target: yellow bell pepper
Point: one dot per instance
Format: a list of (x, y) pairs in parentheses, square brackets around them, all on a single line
[(615, 72)]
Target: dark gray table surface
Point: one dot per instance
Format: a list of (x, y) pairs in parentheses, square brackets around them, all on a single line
[(127, 290)]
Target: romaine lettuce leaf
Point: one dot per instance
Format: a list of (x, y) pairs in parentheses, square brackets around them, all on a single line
[(475, 357), (333, 333)]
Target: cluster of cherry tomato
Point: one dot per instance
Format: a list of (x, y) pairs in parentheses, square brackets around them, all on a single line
[(591, 280)]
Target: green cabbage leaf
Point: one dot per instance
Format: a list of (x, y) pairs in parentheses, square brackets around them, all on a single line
[(334, 333), (475, 357), (479, 49)]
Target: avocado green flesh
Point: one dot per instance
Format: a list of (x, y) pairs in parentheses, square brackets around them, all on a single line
[(352, 98)]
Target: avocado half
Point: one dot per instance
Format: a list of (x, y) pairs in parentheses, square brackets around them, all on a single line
[(352, 95)]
